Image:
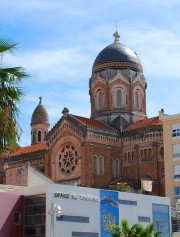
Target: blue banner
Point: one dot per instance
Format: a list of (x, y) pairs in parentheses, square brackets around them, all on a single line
[(109, 211)]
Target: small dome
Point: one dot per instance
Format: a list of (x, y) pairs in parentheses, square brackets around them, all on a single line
[(40, 114), (118, 56)]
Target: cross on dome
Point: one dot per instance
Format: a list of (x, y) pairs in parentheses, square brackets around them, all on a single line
[(40, 99), (116, 37)]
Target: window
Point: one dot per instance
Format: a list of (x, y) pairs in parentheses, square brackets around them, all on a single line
[(35, 215), (161, 219), (127, 202), (80, 219), (17, 218), (118, 98), (34, 138), (39, 136), (176, 130), (100, 100), (125, 158), (95, 164), (176, 171), (112, 167), (177, 191), (68, 159), (141, 153), (132, 156), (98, 164), (136, 100), (101, 165), (143, 219), (162, 152), (150, 152), (117, 168), (84, 234), (129, 157), (176, 150)]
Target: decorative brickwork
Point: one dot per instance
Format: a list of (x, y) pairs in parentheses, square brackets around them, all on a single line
[(121, 64), (117, 144)]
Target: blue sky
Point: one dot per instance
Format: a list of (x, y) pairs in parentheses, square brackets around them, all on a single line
[(59, 41)]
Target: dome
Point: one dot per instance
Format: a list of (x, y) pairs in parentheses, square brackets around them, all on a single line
[(117, 56), (40, 114)]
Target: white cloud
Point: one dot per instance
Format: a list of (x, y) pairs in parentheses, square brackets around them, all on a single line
[(57, 64)]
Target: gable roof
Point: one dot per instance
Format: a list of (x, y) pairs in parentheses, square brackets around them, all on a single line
[(28, 149), (92, 122), (154, 121)]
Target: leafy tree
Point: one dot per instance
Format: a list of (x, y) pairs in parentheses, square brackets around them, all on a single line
[(10, 95), (122, 187), (137, 230)]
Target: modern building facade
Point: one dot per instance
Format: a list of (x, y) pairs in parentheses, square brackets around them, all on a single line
[(171, 134), (53, 210), (171, 129)]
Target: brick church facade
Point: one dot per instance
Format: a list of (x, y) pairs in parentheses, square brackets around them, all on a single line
[(118, 143)]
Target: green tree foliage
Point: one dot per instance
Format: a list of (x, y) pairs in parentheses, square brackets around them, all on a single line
[(137, 230), (10, 95), (122, 187)]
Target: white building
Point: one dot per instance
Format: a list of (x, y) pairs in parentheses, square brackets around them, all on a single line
[(81, 212)]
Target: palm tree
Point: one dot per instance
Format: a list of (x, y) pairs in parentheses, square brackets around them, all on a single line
[(137, 230), (10, 95), (123, 230)]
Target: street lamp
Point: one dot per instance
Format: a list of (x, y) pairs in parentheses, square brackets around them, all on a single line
[(54, 212)]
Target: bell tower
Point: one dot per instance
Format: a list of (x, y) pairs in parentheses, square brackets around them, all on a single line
[(39, 123)]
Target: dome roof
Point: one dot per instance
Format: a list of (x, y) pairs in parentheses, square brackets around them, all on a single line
[(40, 114), (118, 56)]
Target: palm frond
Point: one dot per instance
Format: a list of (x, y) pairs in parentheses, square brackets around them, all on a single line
[(7, 45), (10, 95)]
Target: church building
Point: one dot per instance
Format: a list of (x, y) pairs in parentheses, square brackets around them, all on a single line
[(118, 143)]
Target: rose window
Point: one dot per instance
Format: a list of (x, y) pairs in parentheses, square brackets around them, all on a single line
[(68, 159)]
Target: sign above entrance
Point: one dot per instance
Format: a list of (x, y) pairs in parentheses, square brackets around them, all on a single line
[(76, 196)]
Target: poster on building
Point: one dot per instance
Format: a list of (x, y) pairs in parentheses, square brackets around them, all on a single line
[(109, 211)]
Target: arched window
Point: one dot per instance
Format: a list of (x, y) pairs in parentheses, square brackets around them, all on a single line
[(136, 100), (132, 156), (101, 165), (34, 138), (112, 167), (125, 157), (118, 98), (141, 153), (129, 157), (117, 168), (162, 152), (95, 160), (100, 100), (39, 136), (145, 152), (150, 152)]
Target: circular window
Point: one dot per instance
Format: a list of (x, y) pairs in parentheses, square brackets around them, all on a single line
[(68, 159)]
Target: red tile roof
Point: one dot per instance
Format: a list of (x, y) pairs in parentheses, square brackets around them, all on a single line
[(28, 149), (92, 122), (154, 121)]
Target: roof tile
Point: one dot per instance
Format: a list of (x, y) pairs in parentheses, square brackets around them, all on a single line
[(28, 149), (92, 122), (154, 121)]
